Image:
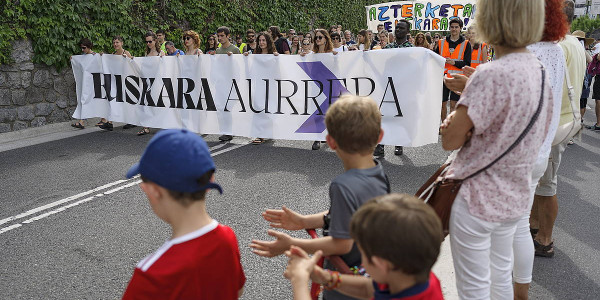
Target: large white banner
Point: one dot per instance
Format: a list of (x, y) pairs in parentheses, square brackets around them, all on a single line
[(424, 15), (280, 97)]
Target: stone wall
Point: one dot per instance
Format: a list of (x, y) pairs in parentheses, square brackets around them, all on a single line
[(33, 95)]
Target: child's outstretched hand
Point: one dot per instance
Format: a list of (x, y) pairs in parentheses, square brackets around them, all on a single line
[(300, 265), (284, 218), (281, 243)]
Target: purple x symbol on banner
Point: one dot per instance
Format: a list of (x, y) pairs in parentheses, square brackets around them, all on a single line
[(316, 70)]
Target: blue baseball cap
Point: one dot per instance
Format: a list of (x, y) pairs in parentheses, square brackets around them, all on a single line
[(175, 159)]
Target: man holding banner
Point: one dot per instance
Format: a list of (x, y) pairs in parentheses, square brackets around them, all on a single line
[(457, 52), (402, 30)]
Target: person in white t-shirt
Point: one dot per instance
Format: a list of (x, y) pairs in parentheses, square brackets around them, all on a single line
[(336, 39)]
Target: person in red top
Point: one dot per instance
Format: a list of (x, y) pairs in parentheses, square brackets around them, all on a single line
[(399, 261), (202, 258)]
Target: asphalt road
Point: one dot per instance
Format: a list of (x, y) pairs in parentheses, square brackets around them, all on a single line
[(87, 245)]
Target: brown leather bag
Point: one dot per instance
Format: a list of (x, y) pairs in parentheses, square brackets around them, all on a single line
[(439, 192)]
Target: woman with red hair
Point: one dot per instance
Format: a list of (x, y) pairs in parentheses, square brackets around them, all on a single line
[(552, 57)]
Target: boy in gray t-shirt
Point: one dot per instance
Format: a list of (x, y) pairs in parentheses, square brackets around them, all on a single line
[(354, 127)]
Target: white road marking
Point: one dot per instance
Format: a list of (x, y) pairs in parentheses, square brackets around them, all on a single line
[(59, 202), (134, 181), (5, 229)]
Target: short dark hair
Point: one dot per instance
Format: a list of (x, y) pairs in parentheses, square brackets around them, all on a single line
[(161, 31), (250, 30), (404, 21), (224, 29), (401, 229), (456, 20), (117, 38), (169, 43), (86, 42), (186, 199), (379, 24)]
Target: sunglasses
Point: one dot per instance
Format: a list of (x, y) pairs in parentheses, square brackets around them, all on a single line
[(148, 42), (250, 36), (305, 44), (335, 38), (187, 38), (319, 37)]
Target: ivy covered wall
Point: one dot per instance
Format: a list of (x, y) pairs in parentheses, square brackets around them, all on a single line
[(55, 26)]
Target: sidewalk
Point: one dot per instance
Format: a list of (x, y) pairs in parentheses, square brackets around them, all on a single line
[(38, 135)]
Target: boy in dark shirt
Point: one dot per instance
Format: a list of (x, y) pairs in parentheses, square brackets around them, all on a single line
[(354, 127)]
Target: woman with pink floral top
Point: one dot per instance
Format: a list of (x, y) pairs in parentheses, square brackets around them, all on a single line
[(497, 105)]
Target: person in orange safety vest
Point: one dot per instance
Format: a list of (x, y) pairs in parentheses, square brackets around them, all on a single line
[(457, 52), (479, 54)]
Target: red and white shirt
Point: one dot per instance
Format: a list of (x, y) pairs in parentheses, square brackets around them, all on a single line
[(204, 264)]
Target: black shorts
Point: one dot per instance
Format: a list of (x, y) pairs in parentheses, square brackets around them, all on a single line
[(583, 103), (447, 92), (596, 88)]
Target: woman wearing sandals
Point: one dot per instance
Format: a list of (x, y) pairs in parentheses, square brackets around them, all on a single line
[(322, 45), (152, 49), (118, 46), (191, 41), (496, 154), (86, 48), (265, 46)]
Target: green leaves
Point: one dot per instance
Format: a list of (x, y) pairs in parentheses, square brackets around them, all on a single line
[(56, 26)]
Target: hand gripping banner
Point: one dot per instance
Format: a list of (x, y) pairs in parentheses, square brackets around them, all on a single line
[(279, 97)]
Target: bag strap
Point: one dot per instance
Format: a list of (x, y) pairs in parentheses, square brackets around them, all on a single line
[(523, 134), (571, 93)]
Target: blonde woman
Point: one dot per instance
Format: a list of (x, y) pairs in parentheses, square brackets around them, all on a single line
[(489, 205)]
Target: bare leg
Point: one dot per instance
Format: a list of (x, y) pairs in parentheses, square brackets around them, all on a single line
[(547, 212), (534, 216), (521, 291)]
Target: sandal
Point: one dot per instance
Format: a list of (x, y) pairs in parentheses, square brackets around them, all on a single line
[(144, 131), (258, 141), (78, 125), (100, 124), (543, 250)]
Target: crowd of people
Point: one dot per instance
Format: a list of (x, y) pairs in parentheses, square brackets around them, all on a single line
[(274, 42), (506, 82)]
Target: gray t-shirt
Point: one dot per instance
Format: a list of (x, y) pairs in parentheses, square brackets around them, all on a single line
[(232, 48), (347, 193)]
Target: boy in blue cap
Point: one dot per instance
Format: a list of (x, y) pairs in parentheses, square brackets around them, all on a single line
[(201, 260)]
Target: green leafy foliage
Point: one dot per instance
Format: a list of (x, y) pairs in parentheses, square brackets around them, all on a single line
[(56, 26), (585, 24)]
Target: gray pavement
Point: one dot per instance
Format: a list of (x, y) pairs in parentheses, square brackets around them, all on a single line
[(66, 234)]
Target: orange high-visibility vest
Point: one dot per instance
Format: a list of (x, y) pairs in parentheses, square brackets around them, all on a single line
[(455, 55), (478, 56)]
